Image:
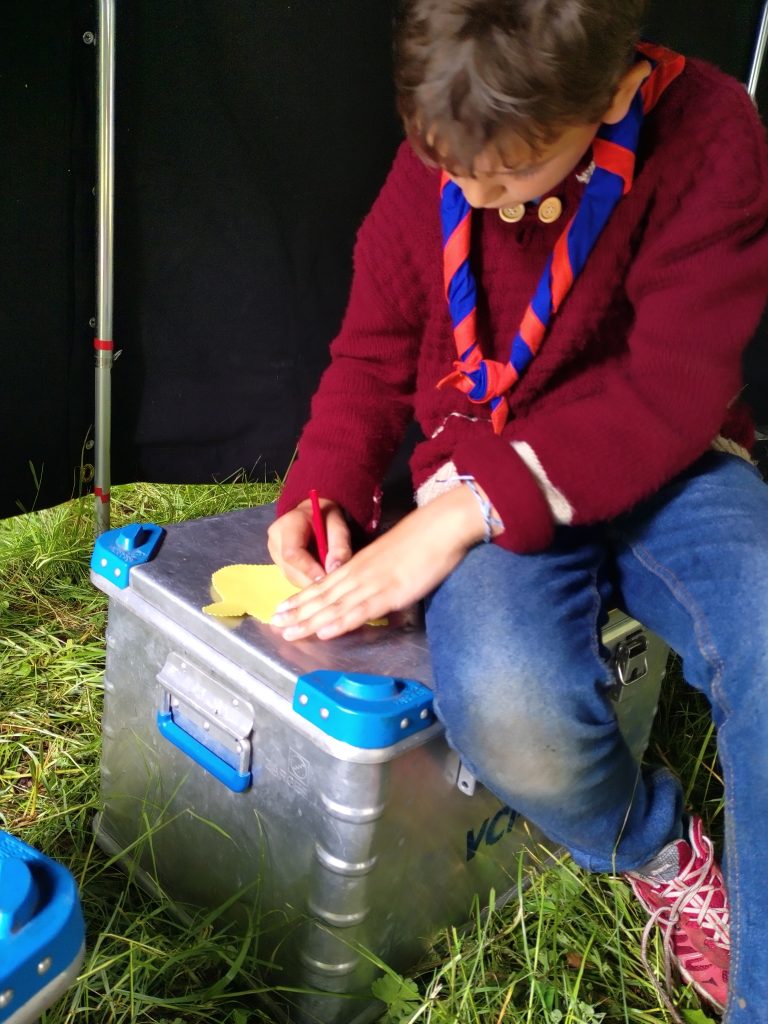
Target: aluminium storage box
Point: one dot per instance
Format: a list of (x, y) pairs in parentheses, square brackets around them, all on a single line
[(305, 787)]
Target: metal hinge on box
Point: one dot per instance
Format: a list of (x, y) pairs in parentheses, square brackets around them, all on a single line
[(629, 661)]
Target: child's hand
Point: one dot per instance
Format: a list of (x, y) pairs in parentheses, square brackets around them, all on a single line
[(400, 567), (290, 537)]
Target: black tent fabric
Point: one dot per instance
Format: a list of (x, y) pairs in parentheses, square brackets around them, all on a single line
[(245, 173), (252, 136), (47, 97)]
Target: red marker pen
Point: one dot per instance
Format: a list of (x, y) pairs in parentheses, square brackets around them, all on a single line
[(318, 525)]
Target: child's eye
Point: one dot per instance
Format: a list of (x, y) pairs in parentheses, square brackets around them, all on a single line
[(525, 172)]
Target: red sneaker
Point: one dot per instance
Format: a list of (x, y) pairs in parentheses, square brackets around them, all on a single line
[(692, 911)]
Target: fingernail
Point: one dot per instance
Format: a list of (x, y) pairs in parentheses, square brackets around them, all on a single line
[(291, 633), (333, 565)]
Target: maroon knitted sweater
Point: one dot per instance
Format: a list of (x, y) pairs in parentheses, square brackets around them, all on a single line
[(640, 370)]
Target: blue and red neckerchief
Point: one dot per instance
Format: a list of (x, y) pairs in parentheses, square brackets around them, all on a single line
[(613, 151)]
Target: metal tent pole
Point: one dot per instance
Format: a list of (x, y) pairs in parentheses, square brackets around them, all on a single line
[(759, 54), (103, 343)]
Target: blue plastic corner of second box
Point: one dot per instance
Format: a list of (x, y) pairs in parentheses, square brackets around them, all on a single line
[(365, 711), (41, 930), (118, 551)]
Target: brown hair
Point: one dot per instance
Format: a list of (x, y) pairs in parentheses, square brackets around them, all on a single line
[(465, 69)]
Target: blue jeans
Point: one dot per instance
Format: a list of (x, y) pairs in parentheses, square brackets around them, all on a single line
[(522, 684)]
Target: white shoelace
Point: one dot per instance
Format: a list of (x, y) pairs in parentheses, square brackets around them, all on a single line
[(694, 896)]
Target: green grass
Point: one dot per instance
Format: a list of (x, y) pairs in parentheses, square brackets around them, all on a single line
[(563, 950)]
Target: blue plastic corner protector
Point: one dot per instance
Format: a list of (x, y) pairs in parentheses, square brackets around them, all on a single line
[(41, 930), (365, 711), (116, 552)]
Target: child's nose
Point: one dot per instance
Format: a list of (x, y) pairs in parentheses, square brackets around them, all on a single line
[(479, 193)]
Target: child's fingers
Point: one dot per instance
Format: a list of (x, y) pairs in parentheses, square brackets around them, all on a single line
[(342, 595), (313, 599), (288, 541), (337, 610), (347, 619), (300, 568), (339, 546)]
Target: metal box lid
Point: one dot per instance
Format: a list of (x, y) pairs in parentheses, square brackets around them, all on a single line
[(177, 583)]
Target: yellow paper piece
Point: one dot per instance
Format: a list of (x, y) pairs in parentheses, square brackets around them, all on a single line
[(253, 590), (224, 610), (249, 590)]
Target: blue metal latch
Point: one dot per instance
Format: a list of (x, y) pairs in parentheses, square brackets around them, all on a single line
[(363, 710), (116, 552)]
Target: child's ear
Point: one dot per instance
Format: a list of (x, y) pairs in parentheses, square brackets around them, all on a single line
[(628, 85)]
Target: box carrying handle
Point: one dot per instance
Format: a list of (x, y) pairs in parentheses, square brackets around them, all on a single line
[(237, 781), (206, 721)]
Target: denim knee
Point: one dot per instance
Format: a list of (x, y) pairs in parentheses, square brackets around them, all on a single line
[(516, 735)]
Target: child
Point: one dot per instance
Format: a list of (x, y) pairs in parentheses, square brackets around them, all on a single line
[(558, 285)]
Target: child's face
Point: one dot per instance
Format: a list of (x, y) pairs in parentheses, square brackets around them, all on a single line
[(509, 171)]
